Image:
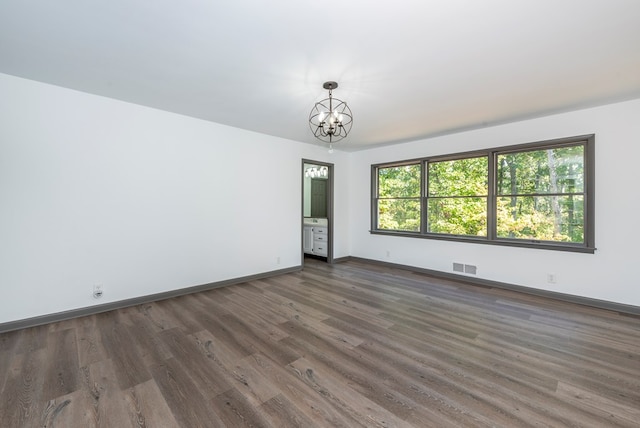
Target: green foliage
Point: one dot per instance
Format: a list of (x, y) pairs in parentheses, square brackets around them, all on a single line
[(458, 216), (399, 198), (539, 195), (525, 173), (399, 181), (457, 203), (524, 178), (534, 218), (460, 177), (399, 214)]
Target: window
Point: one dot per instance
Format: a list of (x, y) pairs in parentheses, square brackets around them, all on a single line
[(398, 198), (540, 194), (534, 195), (457, 196)]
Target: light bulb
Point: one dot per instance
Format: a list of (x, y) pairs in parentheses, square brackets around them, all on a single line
[(321, 116)]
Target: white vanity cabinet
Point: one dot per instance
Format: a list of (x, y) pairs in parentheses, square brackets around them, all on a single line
[(320, 241), (307, 239), (315, 238)]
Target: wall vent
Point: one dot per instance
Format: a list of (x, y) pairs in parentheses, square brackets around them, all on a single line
[(470, 269), (458, 267)]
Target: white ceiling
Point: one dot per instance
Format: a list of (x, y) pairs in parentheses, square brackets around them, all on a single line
[(408, 69)]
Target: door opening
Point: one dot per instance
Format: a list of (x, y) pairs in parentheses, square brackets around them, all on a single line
[(317, 210)]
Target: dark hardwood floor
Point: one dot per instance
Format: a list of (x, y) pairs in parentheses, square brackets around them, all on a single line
[(351, 345)]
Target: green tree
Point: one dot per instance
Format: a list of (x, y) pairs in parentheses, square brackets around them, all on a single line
[(399, 198), (457, 196), (540, 194)]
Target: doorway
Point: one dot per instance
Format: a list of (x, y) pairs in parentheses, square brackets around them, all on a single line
[(317, 210)]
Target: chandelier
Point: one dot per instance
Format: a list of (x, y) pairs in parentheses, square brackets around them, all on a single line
[(330, 120)]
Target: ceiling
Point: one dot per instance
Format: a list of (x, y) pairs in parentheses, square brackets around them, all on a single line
[(409, 69)]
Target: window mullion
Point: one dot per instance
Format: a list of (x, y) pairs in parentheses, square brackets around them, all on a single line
[(424, 186), (492, 208)]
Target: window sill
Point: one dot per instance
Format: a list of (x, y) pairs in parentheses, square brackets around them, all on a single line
[(540, 245)]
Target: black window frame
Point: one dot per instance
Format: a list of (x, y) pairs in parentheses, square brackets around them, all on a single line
[(420, 197), (491, 238)]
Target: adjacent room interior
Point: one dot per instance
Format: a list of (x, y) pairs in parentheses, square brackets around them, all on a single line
[(177, 244)]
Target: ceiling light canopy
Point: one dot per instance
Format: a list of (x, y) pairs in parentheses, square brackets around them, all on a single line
[(330, 120)]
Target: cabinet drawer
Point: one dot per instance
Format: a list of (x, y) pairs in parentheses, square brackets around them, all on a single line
[(320, 248), (317, 237), (320, 230)]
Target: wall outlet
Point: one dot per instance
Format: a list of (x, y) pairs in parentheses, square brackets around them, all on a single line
[(97, 291), (278, 260), (388, 253), (552, 278)]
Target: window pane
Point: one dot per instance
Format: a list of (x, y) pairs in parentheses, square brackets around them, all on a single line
[(558, 170), (399, 214), (399, 182), (543, 218), (460, 177), (457, 216)]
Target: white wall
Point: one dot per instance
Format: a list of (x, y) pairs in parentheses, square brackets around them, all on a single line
[(611, 274), (94, 190)]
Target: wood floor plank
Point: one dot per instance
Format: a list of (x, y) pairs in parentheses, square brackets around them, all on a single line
[(612, 411), (71, 410), (256, 373), (189, 407), (330, 296), (145, 338), (255, 317), (109, 403), (31, 339), (345, 345), (427, 381), (186, 320), (283, 413), (150, 406), (215, 324), (235, 410), (289, 308), (208, 378), (160, 318), (221, 353), (118, 341), (90, 348), (9, 340), (344, 397), (21, 403), (63, 369), (363, 378), (257, 307)]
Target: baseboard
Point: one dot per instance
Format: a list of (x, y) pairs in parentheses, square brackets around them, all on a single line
[(586, 301), (91, 310), (75, 313)]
